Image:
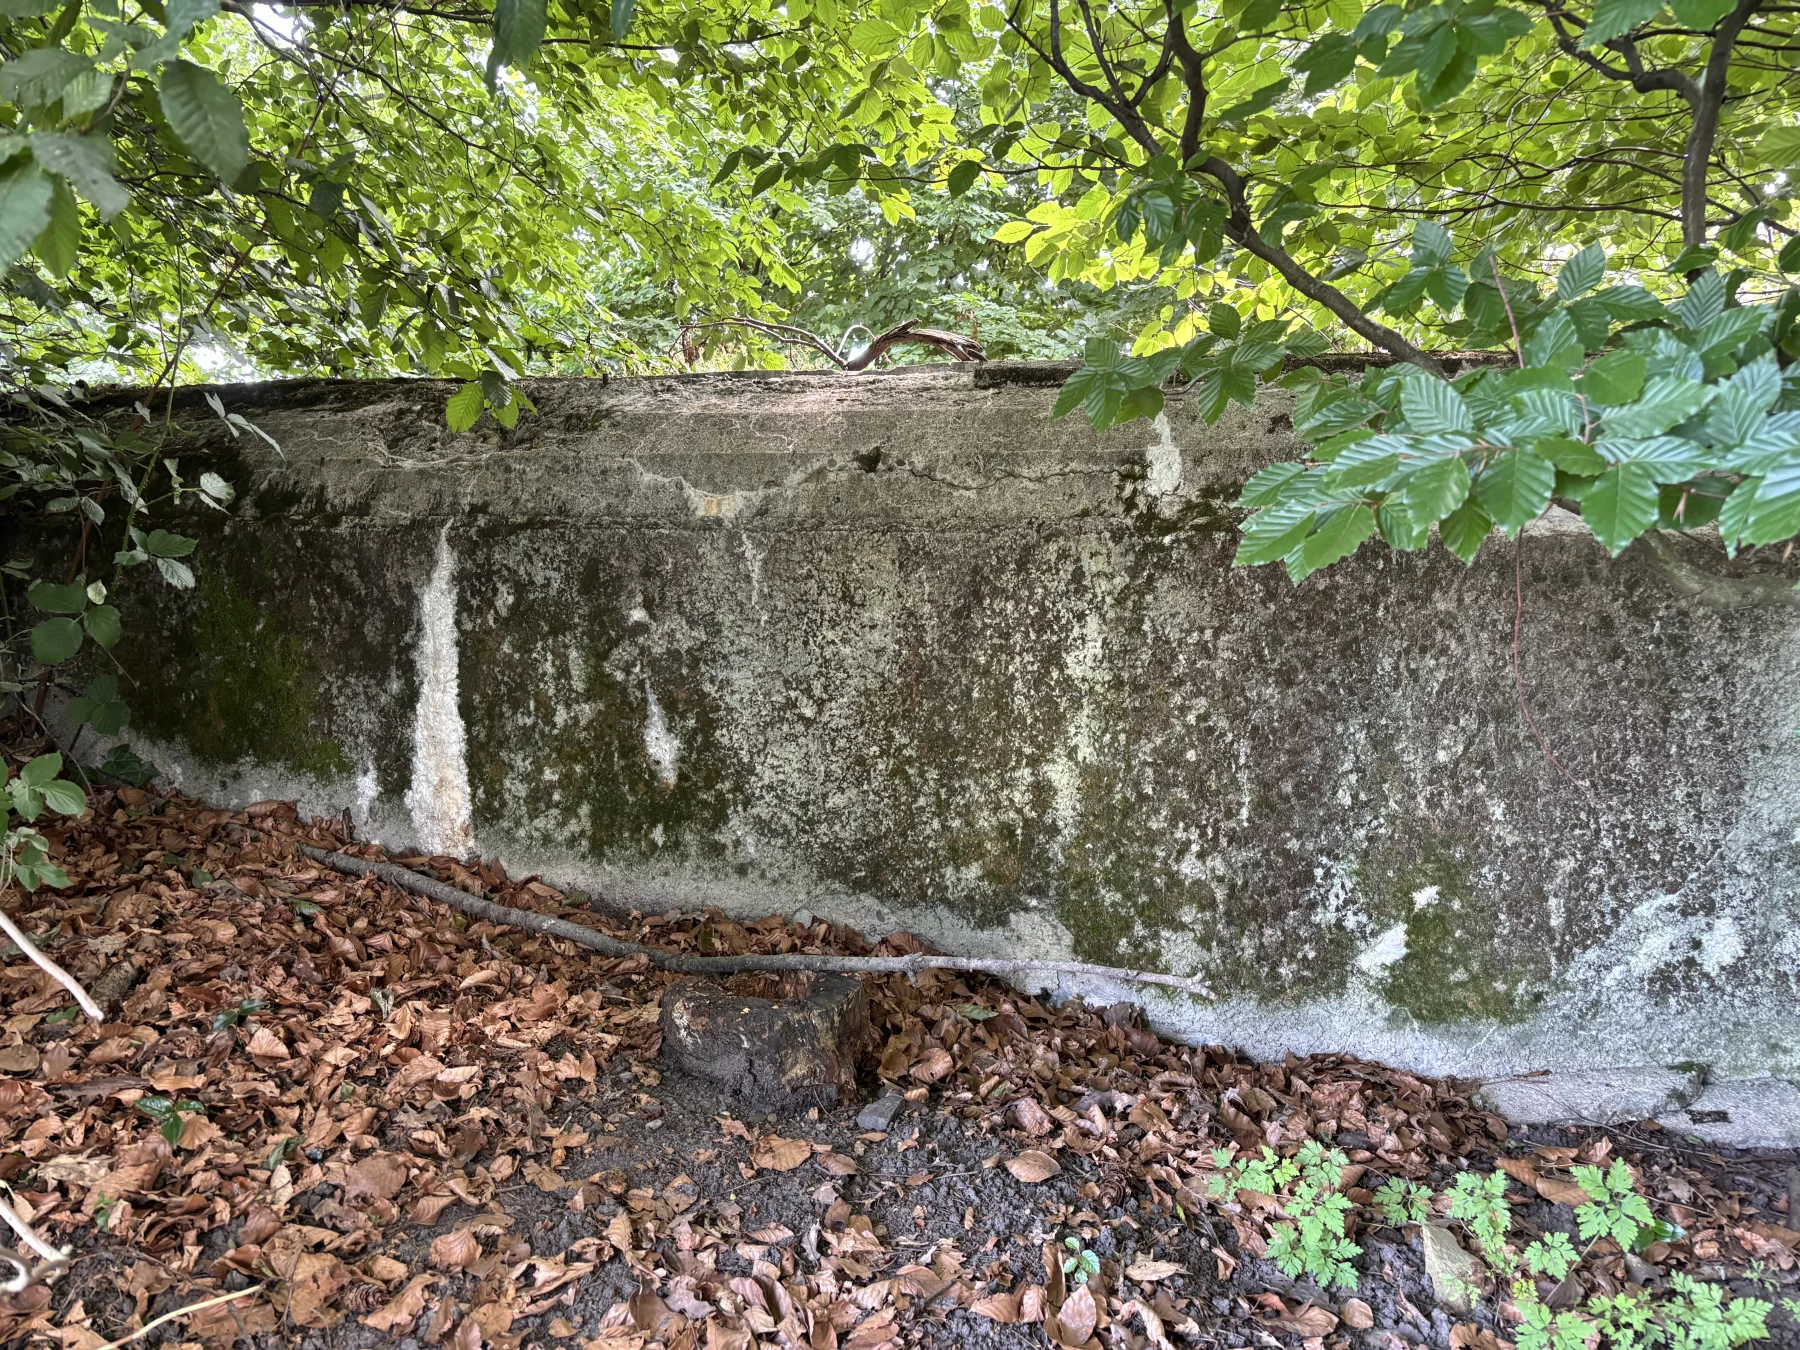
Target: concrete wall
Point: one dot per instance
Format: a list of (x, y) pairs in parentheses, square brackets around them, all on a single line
[(900, 650)]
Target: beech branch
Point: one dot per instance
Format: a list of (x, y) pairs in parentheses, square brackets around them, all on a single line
[(482, 908), (54, 1261)]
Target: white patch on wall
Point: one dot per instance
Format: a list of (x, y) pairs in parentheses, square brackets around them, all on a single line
[(1384, 951), (438, 798), (368, 787), (1425, 897), (659, 741), (1162, 460), (1720, 945)]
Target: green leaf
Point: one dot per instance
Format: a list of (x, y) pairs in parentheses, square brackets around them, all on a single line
[(55, 640), (1581, 273), (1260, 100), (86, 161), (1264, 487), (464, 408), (1620, 505), (207, 116), (962, 177), (875, 37), (102, 624), (41, 770), (163, 544), (518, 33), (1464, 530), (1515, 488), (1571, 456), (1273, 534), (39, 75), (1436, 488), (57, 246), (1615, 18), (1340, 533), (1432, 406), (25, 202), (1780, 146), (1666, 400), (1775, 512), (1617, 377), (65, 798), (1225, 321), (1700, 15), (48, 598), (622, 13)]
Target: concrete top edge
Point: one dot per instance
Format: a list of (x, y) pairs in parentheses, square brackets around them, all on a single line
[(318, 393)]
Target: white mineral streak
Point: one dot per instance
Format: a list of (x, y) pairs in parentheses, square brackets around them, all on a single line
[(438, 798), (659, 741)]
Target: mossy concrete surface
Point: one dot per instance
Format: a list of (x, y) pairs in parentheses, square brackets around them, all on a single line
[(902, 650)]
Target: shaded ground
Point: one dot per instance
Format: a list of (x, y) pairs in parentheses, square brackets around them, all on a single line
[(397, 1127)]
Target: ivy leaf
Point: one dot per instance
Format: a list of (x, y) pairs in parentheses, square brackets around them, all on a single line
[(1620, 505), (207, 116), (1515, 488)]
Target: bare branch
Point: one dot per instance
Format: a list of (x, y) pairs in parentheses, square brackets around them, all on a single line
[(50, 968)]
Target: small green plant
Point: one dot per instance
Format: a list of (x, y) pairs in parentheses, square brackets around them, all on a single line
[(1265, 1175), (167, 1115), (1698, 1317), (1081, 1264), (103, 1211), (1316, 1243), (1617, 1211), (1479, 1202), (230, 1017), (1402, 1202), (1545, 1330), (24, 853), (1552, 1255)]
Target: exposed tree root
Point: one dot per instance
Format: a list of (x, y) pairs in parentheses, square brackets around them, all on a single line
[(681, 964)]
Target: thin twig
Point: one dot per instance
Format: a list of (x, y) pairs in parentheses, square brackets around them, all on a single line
[(50, 968), (202, 1306), (481, 908)]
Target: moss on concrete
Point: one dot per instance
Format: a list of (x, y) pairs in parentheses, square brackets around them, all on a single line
[(238, 680)]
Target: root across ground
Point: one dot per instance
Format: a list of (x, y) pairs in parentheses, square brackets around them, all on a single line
[(382, 1124)]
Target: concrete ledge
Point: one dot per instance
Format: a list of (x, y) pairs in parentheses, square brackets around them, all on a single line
[(1598, 1097), (1749, 1113)]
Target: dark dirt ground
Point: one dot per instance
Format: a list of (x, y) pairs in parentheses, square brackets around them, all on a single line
[(394, 1126)]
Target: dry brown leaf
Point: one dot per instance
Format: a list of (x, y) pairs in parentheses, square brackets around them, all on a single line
[(1031, 1117), (933, 1065), (1079, 1315), (377, 1177), (400, 1311), (997, 1307), (21, 1058), (384, 1269), (1308, 1321), (1468, 1336), (780, 1155), (1153, 1327), (1148, 1271), (618, 1232), (455, 1251), (837, 1164), (1556, 1191), (265, 1047), (1033, 1166), (1357, 1315)]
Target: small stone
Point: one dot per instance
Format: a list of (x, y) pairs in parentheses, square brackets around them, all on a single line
[(1455, 1275), (879, 1115), (803, 918), (781, 1053)]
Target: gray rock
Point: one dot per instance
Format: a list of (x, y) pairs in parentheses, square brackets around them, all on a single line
[(1455, 1274), (803, 917), (1592, 1096), (1748, 1113), (879, 1114)]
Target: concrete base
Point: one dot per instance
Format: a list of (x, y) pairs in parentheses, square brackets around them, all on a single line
[(1593, 1097), (1750, 1113), (902, 651)]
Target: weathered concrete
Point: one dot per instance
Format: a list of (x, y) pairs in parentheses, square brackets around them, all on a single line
[(1593, 1096), (903, 651), (1751, 1113)]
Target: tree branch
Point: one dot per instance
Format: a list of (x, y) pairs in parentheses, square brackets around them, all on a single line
[(50, 968), (1707, 106), (481, 908)]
